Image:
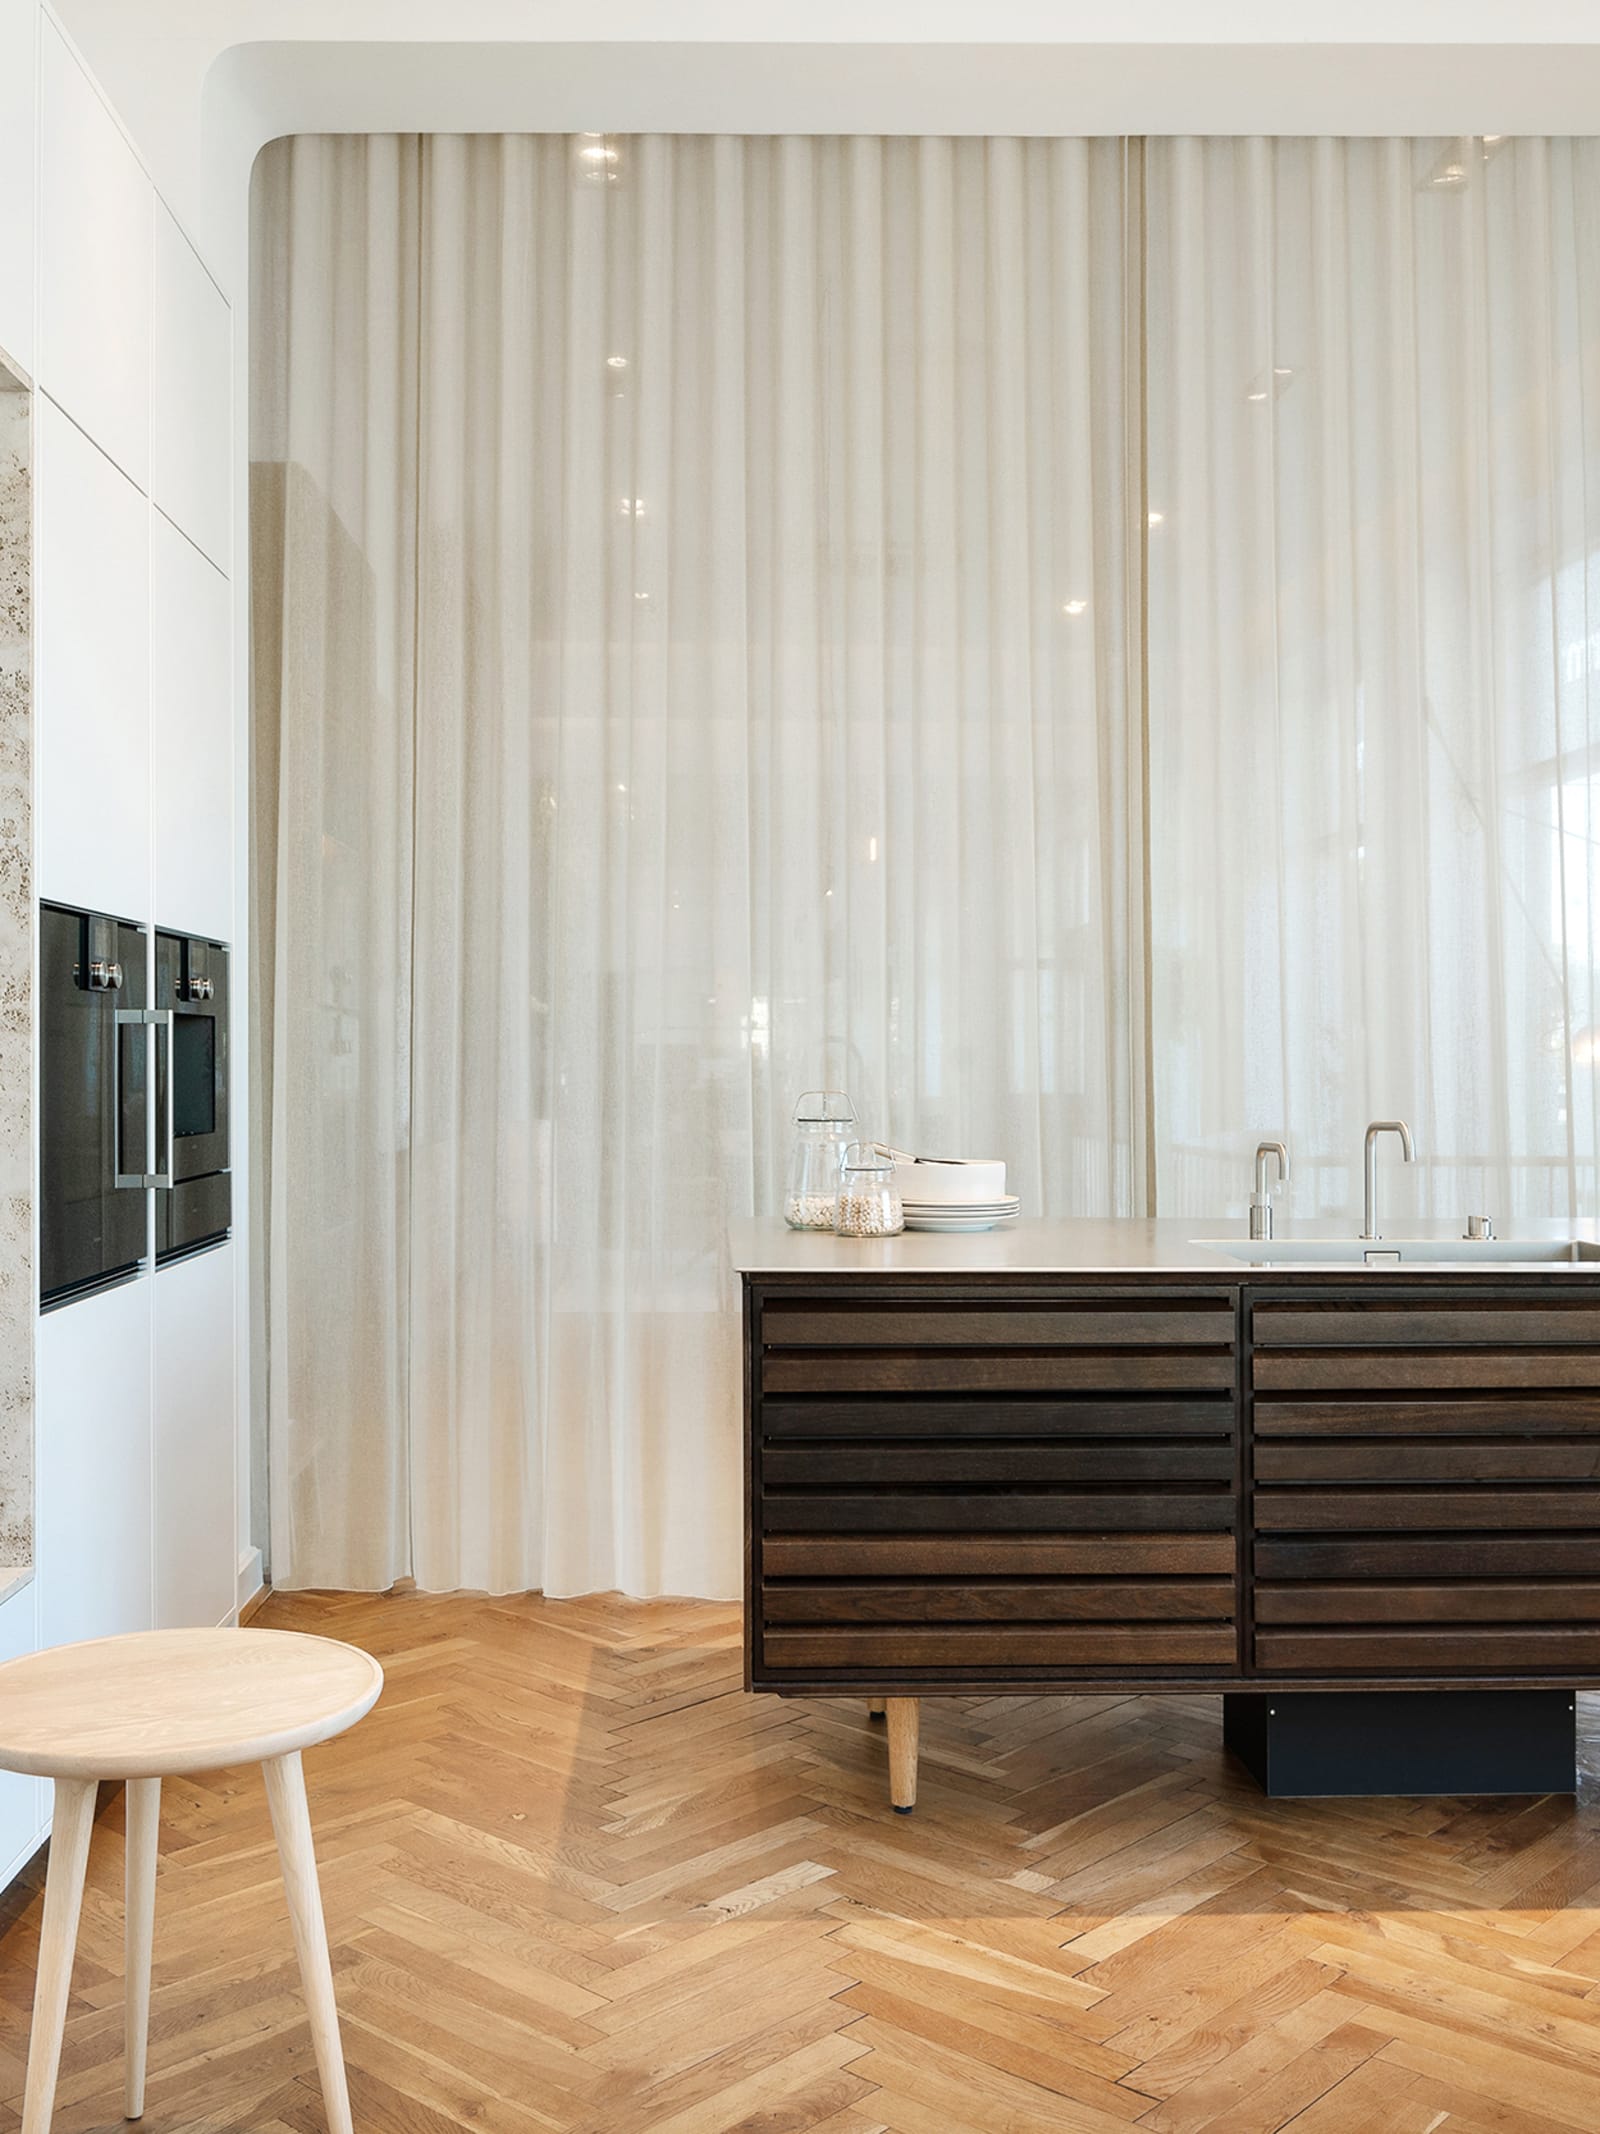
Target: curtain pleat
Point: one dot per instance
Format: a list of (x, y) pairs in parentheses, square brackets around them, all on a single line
[(689, 671)]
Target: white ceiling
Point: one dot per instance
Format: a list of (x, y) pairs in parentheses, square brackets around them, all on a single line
[(201, 86)]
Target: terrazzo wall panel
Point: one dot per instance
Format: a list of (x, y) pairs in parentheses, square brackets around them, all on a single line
[(16, 987)]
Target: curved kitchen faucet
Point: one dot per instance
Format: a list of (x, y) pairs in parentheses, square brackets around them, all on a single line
[(1369, 1227), (1261, 1202)]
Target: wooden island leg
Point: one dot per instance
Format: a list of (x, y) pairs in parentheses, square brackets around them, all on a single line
[(63, 1900), (143, 1807), (875, 1708), (905, 1714)]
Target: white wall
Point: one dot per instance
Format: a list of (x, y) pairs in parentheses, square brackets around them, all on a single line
[(130, 343)]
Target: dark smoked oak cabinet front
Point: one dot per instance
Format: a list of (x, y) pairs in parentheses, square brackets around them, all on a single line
[(1160, 1481)]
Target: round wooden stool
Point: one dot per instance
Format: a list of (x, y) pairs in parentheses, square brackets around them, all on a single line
[(165, 1704)]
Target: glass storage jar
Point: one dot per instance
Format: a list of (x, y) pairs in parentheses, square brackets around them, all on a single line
[(824, 1120), (869, 1206)]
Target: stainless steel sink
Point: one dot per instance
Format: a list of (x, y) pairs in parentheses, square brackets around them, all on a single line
[(1406, 1251)]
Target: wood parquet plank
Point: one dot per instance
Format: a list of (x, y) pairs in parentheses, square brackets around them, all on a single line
[(578, 1883)]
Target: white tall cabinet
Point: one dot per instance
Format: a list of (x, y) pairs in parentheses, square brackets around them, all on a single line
[(191, 654), (96, 226), (191, 393), (195, 1568), (92, 762), (24, 1805), (94, 1468), (129, 342), (19, 66)]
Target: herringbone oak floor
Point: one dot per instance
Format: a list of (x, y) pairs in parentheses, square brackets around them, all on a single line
[(576, 1879)]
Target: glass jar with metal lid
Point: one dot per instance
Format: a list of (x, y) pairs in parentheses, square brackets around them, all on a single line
[(824, 1120), (869, 1204)]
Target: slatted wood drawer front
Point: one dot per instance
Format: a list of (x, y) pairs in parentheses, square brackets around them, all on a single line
[(1056, 1419), (897, 1650), (1060, 1600), (1118, 1346), (1427, 1487), (1011, 1487)]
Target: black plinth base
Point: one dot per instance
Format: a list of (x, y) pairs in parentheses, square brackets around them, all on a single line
[(1405, 1741)]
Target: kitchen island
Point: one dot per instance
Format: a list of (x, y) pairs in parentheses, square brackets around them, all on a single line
[(1360, 1501)]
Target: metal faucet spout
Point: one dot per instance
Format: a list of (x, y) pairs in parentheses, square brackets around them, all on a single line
[(1261, 1203), (1369, 1227)]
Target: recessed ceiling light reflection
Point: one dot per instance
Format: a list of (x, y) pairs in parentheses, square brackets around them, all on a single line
[(599, 161)]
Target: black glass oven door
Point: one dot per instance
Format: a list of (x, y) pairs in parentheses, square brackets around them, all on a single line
[(192, 1061), (93, 1100)]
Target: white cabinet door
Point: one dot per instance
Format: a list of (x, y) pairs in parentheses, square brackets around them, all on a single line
[(92, 729), (92, 1510), (19, 29), (191, 393), (94, 264), (24, 1802), (191, 643), (196, 1566)]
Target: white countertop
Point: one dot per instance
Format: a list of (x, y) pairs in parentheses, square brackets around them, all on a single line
[(1098, 1245)]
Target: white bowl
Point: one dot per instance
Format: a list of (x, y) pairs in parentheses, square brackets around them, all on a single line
[(931, 1182)]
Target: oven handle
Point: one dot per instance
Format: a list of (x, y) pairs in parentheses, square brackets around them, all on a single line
[(155, 1020)]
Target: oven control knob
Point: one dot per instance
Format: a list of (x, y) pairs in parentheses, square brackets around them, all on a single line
[(104, 977), (201, 988)]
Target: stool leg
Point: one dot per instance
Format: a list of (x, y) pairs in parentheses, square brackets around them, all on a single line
[(904, 1715), (144, 1822), (63, 1899), (291, 1825)]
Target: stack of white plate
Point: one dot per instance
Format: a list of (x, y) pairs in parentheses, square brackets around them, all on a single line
[(980, 1215), (955, 1196)]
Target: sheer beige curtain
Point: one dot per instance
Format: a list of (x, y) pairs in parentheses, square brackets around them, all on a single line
[(1373, 642), (691, 667)]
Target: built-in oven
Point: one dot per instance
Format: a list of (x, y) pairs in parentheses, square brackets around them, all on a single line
[(191, 1093), (95, 1032)]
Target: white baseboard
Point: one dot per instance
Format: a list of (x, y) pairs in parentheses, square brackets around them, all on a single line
[(9, 1874), (250, 1581)]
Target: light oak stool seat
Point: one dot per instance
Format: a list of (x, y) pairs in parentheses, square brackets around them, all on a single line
[(164, 1704)]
